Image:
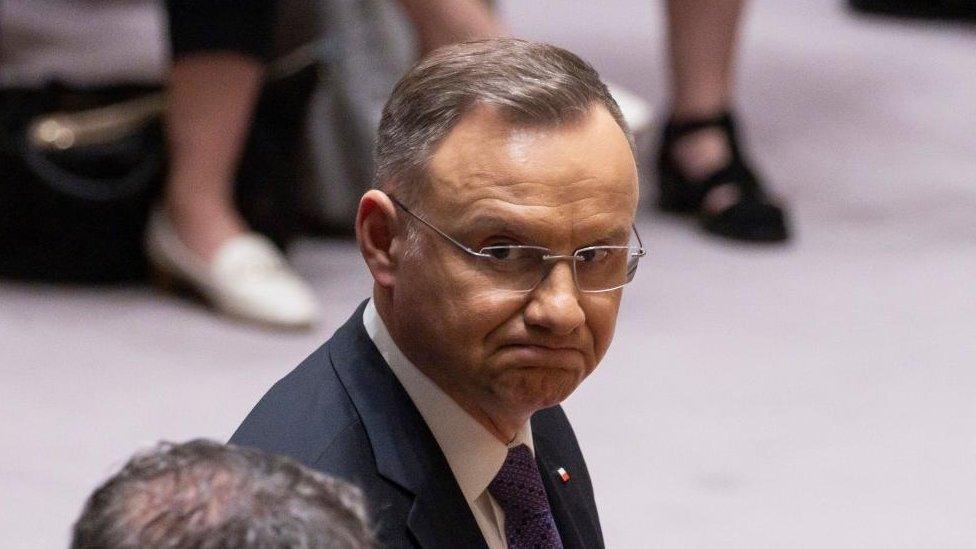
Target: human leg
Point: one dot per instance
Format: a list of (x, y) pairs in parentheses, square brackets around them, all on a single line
[(700, 142), (209, 104), (219, 50), (701, 46)]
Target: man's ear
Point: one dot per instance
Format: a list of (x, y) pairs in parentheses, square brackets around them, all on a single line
[(376, 224)]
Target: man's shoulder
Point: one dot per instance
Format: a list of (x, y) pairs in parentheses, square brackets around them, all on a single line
[(305, 414), (310, 415)]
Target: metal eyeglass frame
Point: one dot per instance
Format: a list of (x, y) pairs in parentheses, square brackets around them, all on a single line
[(641, 252)]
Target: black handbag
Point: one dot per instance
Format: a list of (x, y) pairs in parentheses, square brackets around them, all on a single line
[(79, 169)]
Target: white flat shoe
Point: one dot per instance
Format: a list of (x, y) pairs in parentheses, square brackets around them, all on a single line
[(248, 278)]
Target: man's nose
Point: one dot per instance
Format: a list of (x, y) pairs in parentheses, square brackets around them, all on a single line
[(554, 303)]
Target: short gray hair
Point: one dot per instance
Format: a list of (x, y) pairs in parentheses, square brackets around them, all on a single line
[(530, 83), (206, 495)]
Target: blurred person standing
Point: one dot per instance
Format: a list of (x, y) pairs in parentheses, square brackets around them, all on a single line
[(702, 168), (198, 237), (202, 494), (80, 139)]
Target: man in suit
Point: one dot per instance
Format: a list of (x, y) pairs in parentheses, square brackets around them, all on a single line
[(499, 240)]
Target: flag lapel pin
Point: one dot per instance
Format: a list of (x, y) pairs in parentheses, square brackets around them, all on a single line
[(563, 474)]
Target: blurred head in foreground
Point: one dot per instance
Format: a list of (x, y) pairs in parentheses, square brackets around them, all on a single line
[(202, 494)]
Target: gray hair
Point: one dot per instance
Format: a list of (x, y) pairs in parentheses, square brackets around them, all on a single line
[(530, 83), (206, 495)]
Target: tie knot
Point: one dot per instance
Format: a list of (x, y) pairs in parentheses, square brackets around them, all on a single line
[(518, 485)]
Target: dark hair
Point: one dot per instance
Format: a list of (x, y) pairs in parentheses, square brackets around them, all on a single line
[(528, 82), (206, 495)]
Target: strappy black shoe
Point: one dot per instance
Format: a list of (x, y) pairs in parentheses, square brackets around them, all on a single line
[(753, 218)]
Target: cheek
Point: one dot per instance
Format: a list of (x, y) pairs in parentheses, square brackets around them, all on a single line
[(479, 313), (469, 313), (601, 319)]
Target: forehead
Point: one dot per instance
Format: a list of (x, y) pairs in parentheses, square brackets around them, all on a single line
[(571, 175)]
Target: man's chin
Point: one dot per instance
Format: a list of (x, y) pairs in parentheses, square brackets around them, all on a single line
[(533, 389)]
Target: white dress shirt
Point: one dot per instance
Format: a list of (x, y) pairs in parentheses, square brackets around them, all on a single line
[(474, 454)]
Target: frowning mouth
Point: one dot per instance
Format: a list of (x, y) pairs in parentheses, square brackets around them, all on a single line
[(532, 352), (547, 346)]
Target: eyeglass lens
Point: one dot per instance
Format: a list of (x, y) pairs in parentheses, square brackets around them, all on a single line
[(594, 269)]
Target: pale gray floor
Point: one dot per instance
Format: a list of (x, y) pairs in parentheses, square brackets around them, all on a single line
[(816, 396)]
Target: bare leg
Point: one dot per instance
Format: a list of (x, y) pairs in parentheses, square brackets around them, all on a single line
[(441, 22), (701, 40), (211, 97)]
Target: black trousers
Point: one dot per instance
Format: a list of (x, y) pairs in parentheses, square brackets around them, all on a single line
[(241, 26)]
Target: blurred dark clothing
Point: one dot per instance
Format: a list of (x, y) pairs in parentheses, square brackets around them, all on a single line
[(242, 26), (949, 10)]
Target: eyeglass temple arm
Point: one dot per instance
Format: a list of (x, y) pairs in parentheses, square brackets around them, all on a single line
[(436, 230), (640, 242)]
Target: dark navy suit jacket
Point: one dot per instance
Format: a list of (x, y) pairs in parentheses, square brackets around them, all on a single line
[(343, 412)]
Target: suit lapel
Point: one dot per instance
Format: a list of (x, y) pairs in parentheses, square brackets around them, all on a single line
[(405, 449), (441, 517), (565, 498)]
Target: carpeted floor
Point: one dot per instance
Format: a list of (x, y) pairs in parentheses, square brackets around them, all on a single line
[(818, 395)]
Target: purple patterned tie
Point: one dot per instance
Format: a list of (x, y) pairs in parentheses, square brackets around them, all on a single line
[(518, 489)]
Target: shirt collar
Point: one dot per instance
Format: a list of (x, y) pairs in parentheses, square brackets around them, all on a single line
[(474, 454)]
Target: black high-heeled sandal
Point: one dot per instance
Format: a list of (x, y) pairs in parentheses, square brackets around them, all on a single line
[(752, 218)]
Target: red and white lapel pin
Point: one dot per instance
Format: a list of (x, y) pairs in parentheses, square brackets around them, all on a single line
[(563, 474)]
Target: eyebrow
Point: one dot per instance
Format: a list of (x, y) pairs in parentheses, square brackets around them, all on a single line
[(616, 235)]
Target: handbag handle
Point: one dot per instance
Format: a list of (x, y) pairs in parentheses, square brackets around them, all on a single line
[(61, 132)]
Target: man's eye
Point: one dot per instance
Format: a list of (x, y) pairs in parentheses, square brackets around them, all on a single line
[(498, 252), (593, 255)]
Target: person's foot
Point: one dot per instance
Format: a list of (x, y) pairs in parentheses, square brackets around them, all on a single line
[(238, 272), (702, 171), (701, 154), (203, 228)]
